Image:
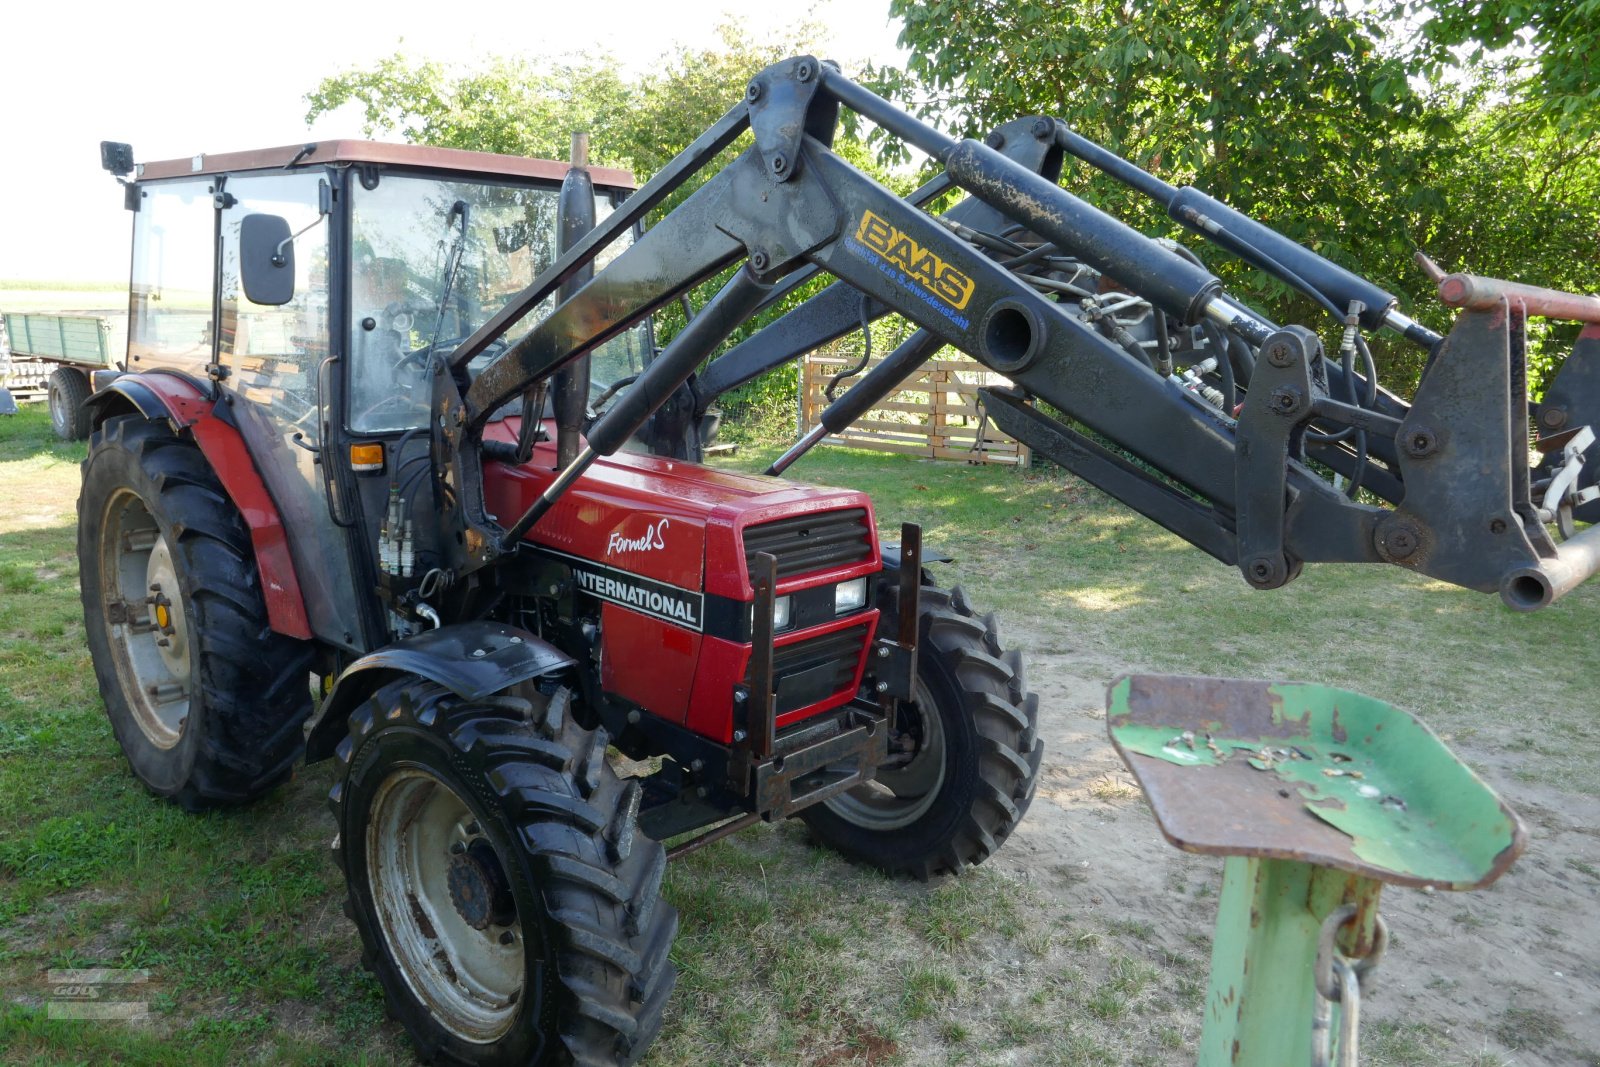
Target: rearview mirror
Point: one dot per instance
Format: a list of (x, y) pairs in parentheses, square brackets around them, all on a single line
[(266, 259)]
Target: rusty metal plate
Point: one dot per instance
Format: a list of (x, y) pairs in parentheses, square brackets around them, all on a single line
[(1310, 773)]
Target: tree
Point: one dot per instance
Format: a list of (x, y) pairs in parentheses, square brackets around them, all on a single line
[(1545, 48)]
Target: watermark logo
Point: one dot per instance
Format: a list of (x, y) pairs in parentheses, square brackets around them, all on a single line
[(97, 993)]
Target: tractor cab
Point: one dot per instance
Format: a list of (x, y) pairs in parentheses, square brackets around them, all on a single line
[(313, 286)]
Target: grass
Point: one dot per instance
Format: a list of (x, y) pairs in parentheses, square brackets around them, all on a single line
[(786, 953)]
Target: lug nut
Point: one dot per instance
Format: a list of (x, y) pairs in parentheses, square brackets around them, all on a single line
[(507, 937)]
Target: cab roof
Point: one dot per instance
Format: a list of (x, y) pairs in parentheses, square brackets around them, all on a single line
[(403, 155)]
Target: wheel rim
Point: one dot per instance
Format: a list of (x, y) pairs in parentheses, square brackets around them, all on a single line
[(58, 409), (420, 839), (899, 796), (147, 626)]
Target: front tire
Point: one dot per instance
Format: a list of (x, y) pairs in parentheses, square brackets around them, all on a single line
[(973, 734), (504, 896), (205, 700)]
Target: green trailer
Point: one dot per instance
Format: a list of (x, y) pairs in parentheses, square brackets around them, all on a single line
[(50, 355)]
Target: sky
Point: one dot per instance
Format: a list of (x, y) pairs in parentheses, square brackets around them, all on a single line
[(178, 77)]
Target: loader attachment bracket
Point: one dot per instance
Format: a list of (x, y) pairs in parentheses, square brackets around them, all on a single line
[(1282, 394)]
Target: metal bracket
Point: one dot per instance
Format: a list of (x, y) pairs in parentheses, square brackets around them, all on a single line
[(1283, 398), (894, 662), (781, 101), (799, 779)]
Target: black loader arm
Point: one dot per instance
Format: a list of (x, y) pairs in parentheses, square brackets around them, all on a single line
[(1118, 345)]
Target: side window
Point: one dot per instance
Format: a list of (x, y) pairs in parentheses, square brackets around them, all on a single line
[(273, 353), (174, 260)]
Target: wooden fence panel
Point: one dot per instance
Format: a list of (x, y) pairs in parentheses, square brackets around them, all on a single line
[(934, 414)]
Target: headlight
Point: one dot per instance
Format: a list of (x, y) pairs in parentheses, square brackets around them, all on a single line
[(848, 596), (780, 612)]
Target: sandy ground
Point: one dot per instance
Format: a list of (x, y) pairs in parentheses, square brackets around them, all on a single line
[(1490, 971)]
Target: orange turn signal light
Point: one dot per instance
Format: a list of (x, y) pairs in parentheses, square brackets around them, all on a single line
[(367, 457)]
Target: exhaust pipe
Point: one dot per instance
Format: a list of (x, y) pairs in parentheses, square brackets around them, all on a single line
[(575, 214)]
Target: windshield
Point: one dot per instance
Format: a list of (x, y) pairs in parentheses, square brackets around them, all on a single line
[(433, 260)]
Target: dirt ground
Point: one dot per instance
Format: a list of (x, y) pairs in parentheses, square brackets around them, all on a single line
[(1510, 974)]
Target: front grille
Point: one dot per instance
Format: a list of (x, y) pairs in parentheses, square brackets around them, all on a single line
[(815, 669), (812, 542)]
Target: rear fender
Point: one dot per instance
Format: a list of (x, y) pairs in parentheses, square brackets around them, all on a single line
[(184, 404), (471, 659)]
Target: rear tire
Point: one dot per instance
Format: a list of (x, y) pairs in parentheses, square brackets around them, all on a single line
[(974, 729), (69, 388), (505, 899), (205, 700)]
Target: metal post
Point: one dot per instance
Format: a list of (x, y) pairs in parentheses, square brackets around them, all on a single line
[(1262, 997), (762, 703)]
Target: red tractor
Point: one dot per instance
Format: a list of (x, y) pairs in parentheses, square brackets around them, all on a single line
[(395, 475), (261, 527)]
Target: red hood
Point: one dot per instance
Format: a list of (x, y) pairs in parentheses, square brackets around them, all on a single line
[(659, 518)]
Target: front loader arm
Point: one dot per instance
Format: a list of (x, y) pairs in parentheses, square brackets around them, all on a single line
[(1234, 482)]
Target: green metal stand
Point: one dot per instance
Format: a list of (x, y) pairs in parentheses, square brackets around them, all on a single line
[(1317, 797)]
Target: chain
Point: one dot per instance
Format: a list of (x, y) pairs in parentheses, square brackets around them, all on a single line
[(1339, 980)]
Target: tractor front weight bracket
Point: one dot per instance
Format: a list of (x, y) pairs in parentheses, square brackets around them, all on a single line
[(894, 658)]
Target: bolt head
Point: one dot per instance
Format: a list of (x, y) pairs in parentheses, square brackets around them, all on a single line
[(1497, 526), (882, 687), (1553, 418), (739, 735), (457, 848), (1421, 442), (1044, 128), (780, 163), (752, 92), (507, 937), (1278, 354), (883, 652), (473, 829), (758, 260), (479, 653), (804, 72)]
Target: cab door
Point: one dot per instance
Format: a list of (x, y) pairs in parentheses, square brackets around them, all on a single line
[(274, 365)]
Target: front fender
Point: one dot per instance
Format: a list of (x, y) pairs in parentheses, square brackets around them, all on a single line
[(471, 659)]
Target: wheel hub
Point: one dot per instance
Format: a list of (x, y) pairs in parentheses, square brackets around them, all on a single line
[(904, 788), (478, 888)]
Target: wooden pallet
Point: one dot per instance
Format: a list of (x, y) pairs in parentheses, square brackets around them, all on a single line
[(935, 414)]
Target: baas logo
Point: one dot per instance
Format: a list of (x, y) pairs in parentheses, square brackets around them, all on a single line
[(654, 537), (921, 264)]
